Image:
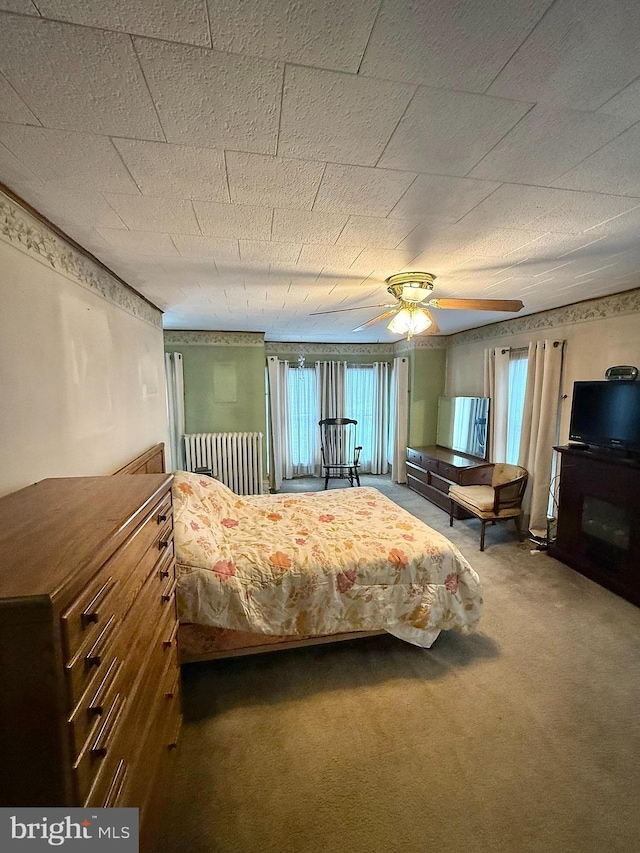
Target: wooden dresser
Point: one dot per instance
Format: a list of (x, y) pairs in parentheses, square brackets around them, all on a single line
[(89, 700), (431, 470)]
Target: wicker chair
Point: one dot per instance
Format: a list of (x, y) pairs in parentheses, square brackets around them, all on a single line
[(492, 492)]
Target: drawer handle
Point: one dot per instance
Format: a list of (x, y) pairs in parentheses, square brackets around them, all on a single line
[(164, 543), (117, 784), (165, 567), (108, 729), (172, 636), (96, 652), (162, 516), (96, 705), (173, 742), (91, 612), (174, 687), (167, 595)]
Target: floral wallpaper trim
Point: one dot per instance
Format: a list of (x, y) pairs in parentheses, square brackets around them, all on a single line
[(185, 337), (26, 233), (429, 342), (580, 312), (291, 348)]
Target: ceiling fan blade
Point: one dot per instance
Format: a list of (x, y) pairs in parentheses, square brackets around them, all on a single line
[(478, 304), (355, 308), (433, 328), (375, 320)]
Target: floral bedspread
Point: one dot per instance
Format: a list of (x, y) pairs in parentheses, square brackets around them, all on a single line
[(316, 563)]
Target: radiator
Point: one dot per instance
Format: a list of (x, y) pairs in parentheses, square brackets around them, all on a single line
[(234, 458)]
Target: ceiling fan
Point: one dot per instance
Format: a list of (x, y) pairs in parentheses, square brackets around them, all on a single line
[(410, 314)]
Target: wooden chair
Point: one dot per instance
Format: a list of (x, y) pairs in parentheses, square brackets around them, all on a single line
[(340, 456), (492, 492)]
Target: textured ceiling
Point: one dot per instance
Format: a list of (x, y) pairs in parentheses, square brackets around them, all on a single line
[(243, 164)]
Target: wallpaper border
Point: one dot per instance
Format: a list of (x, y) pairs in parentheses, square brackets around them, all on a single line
[(600, 308), (295, 349), (18, 228), (187, 337)]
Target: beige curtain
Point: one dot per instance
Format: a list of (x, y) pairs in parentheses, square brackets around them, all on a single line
[(496, 387), (400, 419), (331, 388), (280, 455), (540, 427)]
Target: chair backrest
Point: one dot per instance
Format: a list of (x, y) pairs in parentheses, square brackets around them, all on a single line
[(513, 481), (338, 441)]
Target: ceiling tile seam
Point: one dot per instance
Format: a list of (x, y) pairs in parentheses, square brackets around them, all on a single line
[(346, 222), (593, 153), (522, 43), (146, 83), (226, 178), (624, 88), (119, 155), (532, 106), (22, 100), (315, 197), (208, 19), (24, 165), (99, 29), (35, 6), (280, 106), (478, 203), (195, 216), (106, 201), (415, 228), (373, 26), (397, 125), (273, 216)]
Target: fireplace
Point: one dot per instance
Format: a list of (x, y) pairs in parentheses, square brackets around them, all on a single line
[(599, 518)]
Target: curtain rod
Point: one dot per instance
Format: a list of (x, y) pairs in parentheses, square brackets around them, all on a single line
[(524, 349)]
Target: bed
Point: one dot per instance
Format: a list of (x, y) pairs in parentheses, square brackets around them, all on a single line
[(260, 572)]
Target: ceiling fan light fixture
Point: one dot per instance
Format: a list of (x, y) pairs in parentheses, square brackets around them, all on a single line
[(415, 292), (409, 321)]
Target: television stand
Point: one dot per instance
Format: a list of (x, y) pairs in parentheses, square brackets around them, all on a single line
[(598, 531)]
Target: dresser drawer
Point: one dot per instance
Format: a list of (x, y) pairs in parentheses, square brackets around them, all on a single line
[(440, 483), (101, 745), (417, 473), (98, 601), (414, 456), (85, 719), (450, 472)]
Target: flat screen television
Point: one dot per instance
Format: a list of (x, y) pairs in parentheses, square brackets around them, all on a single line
[(606, 414)]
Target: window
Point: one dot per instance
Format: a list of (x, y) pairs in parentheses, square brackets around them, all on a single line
[(518, 362), (360, 396), (303, 418)]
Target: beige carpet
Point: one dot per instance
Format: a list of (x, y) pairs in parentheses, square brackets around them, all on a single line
[(524, 737)]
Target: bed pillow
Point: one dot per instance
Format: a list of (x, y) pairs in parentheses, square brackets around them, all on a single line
[(199, 505)]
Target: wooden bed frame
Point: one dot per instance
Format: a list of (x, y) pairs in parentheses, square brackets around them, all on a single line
[(202, 642)]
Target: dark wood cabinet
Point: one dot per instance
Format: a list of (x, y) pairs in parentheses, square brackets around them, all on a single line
[(432, 469), (89, 677), (598, 531)]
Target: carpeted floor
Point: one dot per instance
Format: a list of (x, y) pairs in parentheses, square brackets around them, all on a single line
[(523, 737)]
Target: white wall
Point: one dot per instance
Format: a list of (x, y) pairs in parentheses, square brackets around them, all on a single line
[(593, 344), (82, 378)]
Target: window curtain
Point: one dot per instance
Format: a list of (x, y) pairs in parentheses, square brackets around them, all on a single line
[(331, 379), (496, 387), (277, 372), (400, 404), (367, 402), (174, 374), (540, 427)]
